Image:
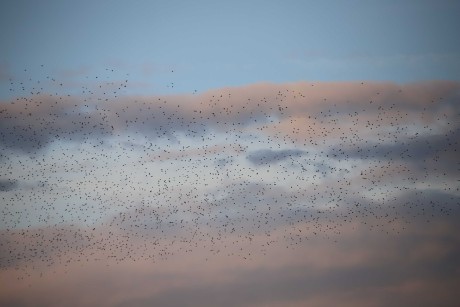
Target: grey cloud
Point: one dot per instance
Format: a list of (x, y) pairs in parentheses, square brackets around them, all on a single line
[(416, 148), (41, 244), (31, 123), (222, 163), (409, 206), (433, 155), (268, 156), (8, 184)]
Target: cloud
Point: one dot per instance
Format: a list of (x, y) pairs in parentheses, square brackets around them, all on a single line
[(222, 163), (268, 156), (420, 156), (30, 123), (420, 147), (189, 153), (8, 185), (359, 268), (276, 193)]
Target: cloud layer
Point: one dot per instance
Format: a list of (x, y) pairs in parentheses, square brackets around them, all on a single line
[(267, 194)]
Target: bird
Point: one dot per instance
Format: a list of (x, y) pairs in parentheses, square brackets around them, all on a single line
[(94, 173)]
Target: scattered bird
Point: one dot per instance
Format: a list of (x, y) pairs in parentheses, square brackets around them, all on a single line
[(128, 178)]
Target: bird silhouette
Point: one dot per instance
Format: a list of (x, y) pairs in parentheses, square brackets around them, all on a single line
[(95, 174)]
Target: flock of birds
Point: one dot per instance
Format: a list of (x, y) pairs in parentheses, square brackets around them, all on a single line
[(90, 173)]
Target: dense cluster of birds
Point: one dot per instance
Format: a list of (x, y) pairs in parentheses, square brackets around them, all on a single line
[(92, 173)]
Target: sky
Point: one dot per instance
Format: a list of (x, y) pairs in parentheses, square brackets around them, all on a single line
[(213, 44), (239, 153)]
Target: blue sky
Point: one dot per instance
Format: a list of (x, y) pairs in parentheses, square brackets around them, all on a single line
[(210, 44)]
